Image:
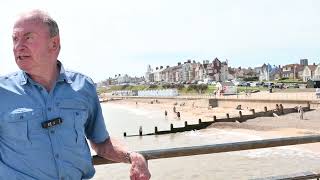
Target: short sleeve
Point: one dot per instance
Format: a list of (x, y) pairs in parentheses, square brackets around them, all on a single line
[(95, 129)]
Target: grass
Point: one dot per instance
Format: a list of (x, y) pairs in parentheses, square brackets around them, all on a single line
[(186, 90)]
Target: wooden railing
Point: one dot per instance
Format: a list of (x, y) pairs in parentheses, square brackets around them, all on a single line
[(218, 148)]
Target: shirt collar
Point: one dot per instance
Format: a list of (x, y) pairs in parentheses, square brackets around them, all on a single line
[(63, 76), (24, 77)]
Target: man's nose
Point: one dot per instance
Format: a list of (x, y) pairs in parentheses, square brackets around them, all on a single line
[(19, 46)]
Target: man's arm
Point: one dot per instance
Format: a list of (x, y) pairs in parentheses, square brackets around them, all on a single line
[(113, 150)]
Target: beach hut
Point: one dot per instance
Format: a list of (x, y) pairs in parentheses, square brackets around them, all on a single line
[(226, 88)]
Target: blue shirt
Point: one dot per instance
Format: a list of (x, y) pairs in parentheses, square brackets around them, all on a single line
[(27, 150)]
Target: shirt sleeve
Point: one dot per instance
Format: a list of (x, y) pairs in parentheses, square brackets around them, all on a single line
[(95, 129)]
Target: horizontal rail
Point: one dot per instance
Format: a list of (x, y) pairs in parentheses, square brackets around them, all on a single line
[(218, 148), (296, 176)]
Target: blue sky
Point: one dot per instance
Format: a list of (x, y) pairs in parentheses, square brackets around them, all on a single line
[(104, 38)]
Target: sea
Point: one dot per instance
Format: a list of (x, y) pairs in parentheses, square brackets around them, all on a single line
[(249, 164)]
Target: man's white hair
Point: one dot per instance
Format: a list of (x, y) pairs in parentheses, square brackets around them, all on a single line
[(42, 17)]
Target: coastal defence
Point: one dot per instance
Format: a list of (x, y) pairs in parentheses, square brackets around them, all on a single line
[(259, 103), (259, 100), (278, 110)]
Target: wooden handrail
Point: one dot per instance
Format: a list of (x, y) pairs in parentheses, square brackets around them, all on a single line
[(218, 148)]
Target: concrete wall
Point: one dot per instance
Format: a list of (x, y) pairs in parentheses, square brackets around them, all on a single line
[(256, 104)]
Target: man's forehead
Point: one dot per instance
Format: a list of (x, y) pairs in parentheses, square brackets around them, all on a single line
[(25, 21), (29, 26)]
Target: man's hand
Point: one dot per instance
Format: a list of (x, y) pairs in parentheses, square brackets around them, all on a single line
[(113, 150), (139, 167)]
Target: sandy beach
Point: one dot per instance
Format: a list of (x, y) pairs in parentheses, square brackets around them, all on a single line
[(266, 162), (268, 127), (189, 109)]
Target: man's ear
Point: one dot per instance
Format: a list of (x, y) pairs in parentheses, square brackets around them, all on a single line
[(54, 43)]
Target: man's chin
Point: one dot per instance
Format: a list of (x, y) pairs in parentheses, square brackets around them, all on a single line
[(24, 67)]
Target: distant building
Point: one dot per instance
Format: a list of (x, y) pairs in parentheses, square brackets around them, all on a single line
[(199, 72), (188, 71), (226, 88), (269, 73), (304, 62), (157, 74), (148, 76), (309, 72), (291, 71)]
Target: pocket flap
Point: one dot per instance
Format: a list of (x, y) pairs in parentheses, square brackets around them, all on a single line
[(21, 114), (71, 104)]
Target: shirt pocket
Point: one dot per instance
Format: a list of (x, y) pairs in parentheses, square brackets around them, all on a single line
[(74, 114), (16, 124)]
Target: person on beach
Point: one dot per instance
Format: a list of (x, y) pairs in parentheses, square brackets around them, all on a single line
[(178, 115), (174, 109), (300, 111), (48, 113), (165, 113)]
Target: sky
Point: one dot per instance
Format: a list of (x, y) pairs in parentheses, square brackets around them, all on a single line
[(104, 38)]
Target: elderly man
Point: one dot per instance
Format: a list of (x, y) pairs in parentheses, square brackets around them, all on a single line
[(47, 113)]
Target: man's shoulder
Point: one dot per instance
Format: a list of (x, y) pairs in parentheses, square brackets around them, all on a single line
[(77, 76)]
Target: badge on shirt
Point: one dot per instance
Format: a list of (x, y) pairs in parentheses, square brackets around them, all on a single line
[(51, 123)]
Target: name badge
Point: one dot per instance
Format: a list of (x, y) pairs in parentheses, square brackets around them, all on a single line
[(51, 123)]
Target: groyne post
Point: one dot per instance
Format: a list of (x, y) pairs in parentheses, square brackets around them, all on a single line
[(171, 127), (214, 118), (228, 116), (140, 131), (200, 121), (156, 130), (253, 112), (240, 114), (185, 124), (281, 109)]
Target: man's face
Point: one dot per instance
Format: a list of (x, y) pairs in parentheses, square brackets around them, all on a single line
[(31, 43)]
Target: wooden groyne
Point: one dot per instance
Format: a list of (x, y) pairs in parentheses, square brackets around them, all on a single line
[(278, 111)]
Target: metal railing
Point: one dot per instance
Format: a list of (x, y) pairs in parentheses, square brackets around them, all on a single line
[(218, 148)]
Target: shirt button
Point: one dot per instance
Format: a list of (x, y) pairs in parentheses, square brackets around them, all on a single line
[(49, 109), (52, 131), (62, 178), (57, 156), (77, 113)]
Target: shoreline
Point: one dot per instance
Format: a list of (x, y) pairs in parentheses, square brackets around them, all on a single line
[(266, 127)]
